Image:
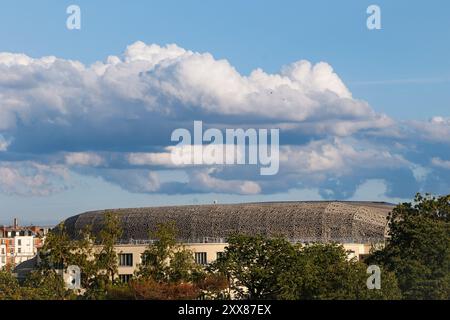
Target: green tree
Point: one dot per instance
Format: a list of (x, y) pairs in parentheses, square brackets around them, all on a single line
[(84, 257), (45, 285), (165, 260), (418, 248), (253, 264), (324, 272), (109, 236), (9, 286), (58, 250)]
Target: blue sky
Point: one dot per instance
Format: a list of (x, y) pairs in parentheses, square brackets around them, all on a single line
[(402, 71)]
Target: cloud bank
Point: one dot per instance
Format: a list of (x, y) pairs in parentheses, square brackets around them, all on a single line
[(113, 120)]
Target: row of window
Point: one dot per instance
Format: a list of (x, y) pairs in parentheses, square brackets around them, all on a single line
[(16, 260), (19, 243), (126, 259), (10, 242), (11, 251)]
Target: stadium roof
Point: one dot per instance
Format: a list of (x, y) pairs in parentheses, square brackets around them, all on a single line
[(322, 221)]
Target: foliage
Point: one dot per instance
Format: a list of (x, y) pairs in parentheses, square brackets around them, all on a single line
[(210, 287), (415, 264), (418, 249), (152, 290), (253, 265), (167, 261), (98, 287), (109, 236), (9, 286), (263, 268), (45, 285), (213, 286), (323, 272), (83, 256), (57, 251), (36, 287)]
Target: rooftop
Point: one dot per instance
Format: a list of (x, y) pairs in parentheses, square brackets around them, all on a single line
[(324, 221)]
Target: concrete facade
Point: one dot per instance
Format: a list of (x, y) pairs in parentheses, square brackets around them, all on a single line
[(211, 250)]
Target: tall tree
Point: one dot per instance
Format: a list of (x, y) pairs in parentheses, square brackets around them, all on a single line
[(109, 236), (84, 257), (57, 251), (165, 260), (418, 248), (253, 265), (60, 251)]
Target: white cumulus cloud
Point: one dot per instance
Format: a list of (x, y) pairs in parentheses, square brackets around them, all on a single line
[(118, 116)]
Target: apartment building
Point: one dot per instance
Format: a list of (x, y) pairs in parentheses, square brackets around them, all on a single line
[(19, 243)]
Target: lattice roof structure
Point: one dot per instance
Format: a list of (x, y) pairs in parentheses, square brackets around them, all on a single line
[(322, 221)]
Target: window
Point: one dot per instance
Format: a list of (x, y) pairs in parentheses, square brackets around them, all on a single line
[(19, 250), (201, 258), (19, 242), (125, 278), (3, 250), (126, 260)]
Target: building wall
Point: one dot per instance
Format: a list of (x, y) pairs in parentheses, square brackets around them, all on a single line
[(2, 255), (211, 250), (18, 249), (24, 249)]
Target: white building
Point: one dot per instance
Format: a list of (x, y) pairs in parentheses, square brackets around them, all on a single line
[(24, 249), (19, 244), (2, 254)]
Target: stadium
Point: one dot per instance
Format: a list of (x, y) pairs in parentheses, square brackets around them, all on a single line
[(205, 228)]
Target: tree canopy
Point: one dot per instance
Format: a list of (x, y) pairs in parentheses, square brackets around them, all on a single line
[(414, 264), (418, 248)]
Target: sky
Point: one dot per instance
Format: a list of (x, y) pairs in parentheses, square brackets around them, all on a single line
[(86, 115)]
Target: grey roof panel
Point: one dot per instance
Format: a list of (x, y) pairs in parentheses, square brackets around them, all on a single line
[(298, 221)]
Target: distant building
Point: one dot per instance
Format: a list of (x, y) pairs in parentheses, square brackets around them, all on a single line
[(19, 244), (205, 228)]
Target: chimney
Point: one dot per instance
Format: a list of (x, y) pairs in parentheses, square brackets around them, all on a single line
[(15, 223)]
